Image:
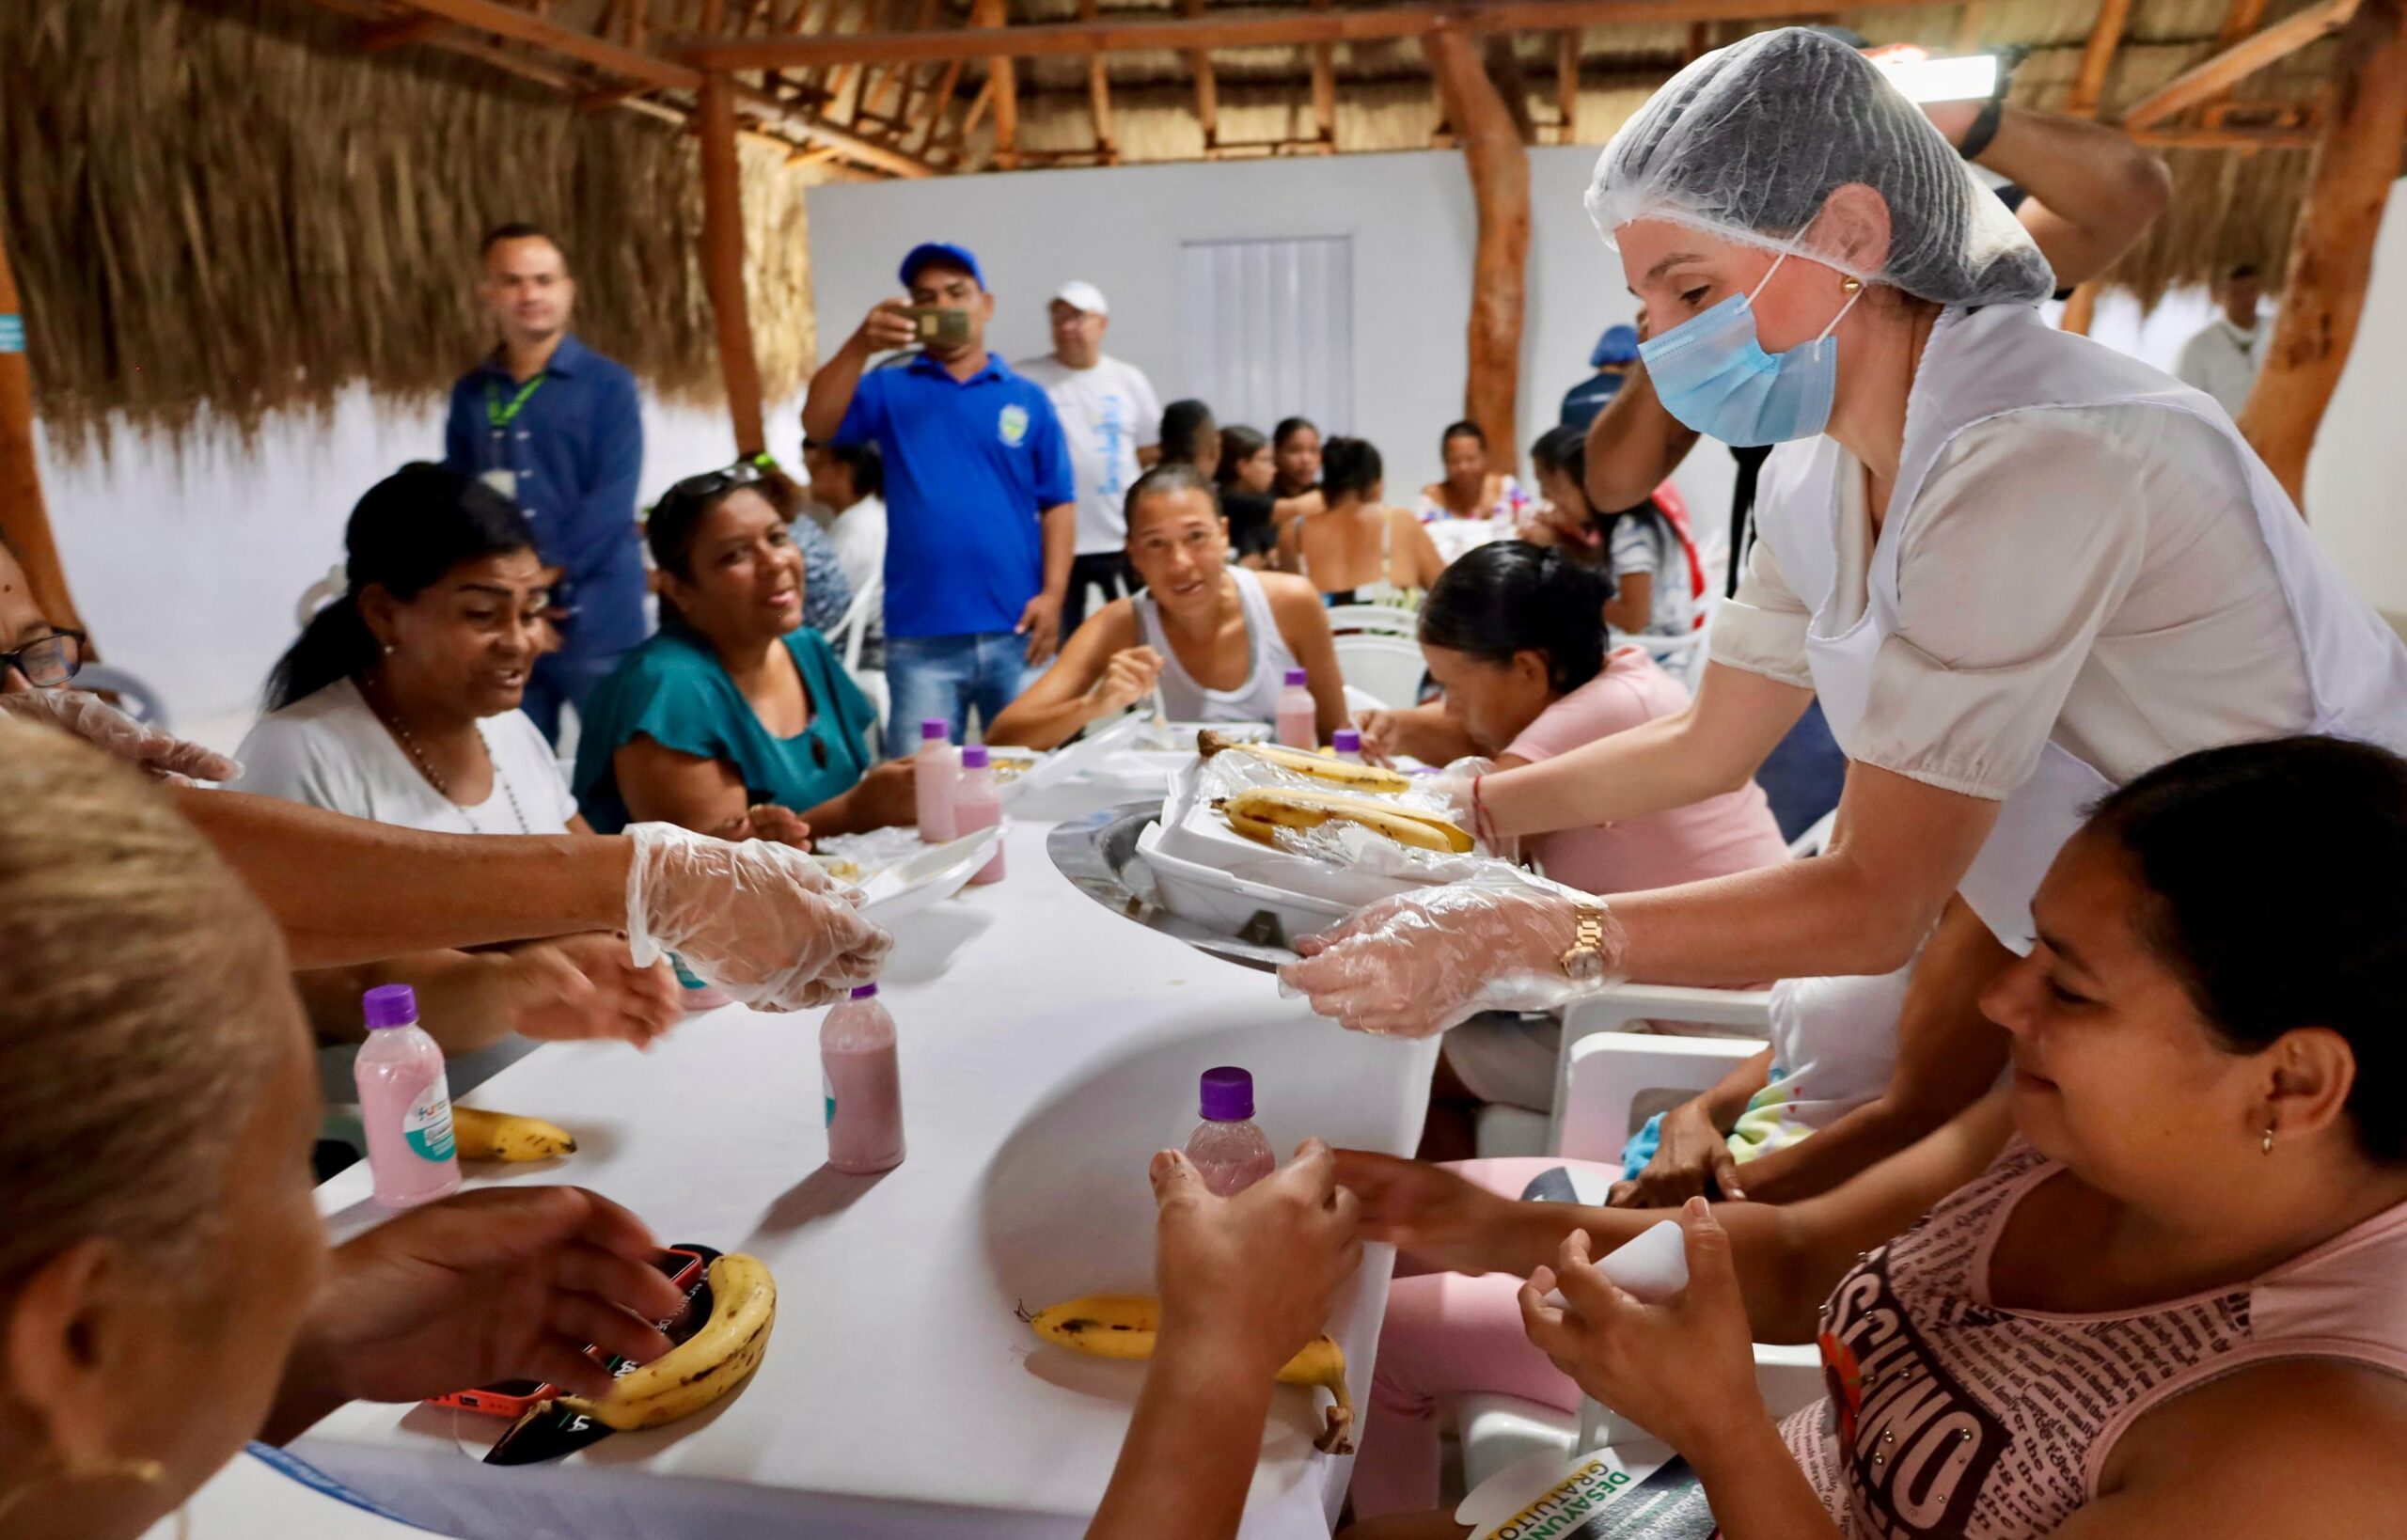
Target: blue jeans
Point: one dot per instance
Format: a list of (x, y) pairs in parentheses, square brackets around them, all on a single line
[(944, 676), (564, 679)]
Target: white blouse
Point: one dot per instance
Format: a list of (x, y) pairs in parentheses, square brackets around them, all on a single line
[(2092, 574)]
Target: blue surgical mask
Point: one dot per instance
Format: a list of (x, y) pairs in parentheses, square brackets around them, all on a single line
[(1712, 373)]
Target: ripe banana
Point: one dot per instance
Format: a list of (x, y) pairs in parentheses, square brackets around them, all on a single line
[(1360, 777), (1307, 809), (1122, 1326), (479, 1134), (704, 1367)]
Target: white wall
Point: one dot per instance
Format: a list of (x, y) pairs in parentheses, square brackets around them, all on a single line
[(187, 570), (2356, 480), (1411, 222)]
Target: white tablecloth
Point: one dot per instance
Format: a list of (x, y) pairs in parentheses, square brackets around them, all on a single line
[(1048, 1047)]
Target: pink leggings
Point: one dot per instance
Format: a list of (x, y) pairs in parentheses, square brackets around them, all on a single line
[(1447, 1334)]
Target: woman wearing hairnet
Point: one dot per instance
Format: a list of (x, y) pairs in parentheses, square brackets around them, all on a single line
[(2016, 568)]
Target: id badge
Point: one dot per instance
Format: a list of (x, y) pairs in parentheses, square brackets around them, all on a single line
[(502, 479)]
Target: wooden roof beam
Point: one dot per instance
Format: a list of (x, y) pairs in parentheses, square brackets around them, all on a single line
[(1567, 84), (1207, 86), (1002, 84), (858, 148), (1324, 89), (2098, 57), (2243, 58), (1214, 30), (583, 47), (1106, 137), (939, 101)]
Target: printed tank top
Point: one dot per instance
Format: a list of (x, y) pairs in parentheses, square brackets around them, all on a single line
[(1951, 1417)]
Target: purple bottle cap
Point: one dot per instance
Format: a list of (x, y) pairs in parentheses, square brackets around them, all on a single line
[(1346, 740), (866, 992), (935, 729), (973, 757), (390, 1005), (1297, 678), (1228, 1094)]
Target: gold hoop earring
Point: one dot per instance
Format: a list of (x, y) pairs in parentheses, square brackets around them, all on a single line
[(2269, 1139)]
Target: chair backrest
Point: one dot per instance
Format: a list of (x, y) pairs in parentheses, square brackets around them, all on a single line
[(1374, 620), (134, 695), (1387, 669), (1817, 838), (854, 628)]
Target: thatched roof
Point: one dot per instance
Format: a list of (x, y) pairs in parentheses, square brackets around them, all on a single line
[(224, 209), (246, 206)]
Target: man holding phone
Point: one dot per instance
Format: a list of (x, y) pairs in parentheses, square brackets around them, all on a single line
[(980, 500)]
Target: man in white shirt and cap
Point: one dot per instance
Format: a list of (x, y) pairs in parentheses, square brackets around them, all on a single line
[(2223, 360), (1112, 420)]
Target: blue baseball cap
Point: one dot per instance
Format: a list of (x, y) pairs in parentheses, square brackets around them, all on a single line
[(945, 251), (1619, 345)]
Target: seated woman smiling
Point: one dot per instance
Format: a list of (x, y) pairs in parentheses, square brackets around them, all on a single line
[(1218, 639), (733, 720)]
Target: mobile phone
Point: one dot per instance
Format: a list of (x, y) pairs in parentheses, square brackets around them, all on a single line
[(938, 323), (513, 1397)]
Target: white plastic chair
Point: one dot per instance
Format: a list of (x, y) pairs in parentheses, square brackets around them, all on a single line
[(133, 693), (1816, 839), (1386, 668), (853, 629), (1374, 620), (1611, 1077)]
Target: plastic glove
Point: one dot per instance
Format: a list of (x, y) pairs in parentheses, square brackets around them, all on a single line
[(105, 727), (1416, 963), (1452, 786), (762, 921)]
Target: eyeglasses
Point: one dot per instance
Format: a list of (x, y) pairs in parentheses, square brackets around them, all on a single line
[(47, 661)]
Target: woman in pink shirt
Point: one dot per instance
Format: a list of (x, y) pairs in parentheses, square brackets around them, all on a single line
[(2151, 1287), (1514, 636)]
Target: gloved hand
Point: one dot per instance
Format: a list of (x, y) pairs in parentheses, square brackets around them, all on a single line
[(1416, 963), (762, 921), (105, 727)]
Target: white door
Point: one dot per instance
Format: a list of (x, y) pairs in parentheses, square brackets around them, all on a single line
[(1266, 331)]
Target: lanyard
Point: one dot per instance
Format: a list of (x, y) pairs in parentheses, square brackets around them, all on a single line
[(501, 417)]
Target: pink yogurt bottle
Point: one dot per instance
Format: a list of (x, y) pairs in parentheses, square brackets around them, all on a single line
[(932, 777), (1298, 724), (976, 805), (863, 1085), (404, 1102)]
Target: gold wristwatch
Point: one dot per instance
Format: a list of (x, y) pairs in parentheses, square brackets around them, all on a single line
[(1584, 963)]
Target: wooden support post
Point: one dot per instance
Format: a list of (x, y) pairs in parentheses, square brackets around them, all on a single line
[(723, 261), (1207, 86), (940, 103), (1567, 84), (2332, 247), (1106, 140), (2105, 37), (1499, 163), (1325, 89), (24, 522), (2081, 309), (1002, 88)]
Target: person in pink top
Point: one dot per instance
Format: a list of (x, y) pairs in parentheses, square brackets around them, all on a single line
[(1514, 636), (2151, 1286)]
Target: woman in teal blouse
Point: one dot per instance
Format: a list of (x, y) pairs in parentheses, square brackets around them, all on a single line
[(733, 720)]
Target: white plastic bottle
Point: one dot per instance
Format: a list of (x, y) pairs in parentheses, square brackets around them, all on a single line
[(1346, 744), (862, 1084), (404, 1103), (1297, 725), (933, 774), (1228, 1147), (977, 804)]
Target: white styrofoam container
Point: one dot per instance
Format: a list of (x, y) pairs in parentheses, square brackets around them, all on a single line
[(1194, 832), (1227, 904)]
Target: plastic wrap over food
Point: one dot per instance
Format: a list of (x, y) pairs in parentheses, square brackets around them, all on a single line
[(1341, 842)]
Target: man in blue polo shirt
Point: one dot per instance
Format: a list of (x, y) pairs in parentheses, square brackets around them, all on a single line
[(981, 517), (548, 421)]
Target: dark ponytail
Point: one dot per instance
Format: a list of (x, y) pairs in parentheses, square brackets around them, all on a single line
[(1494, 601), (2276, 879), (1348, 466), (411, 529)]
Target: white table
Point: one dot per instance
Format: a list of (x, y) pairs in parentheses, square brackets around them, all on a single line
[(1048, 1047)]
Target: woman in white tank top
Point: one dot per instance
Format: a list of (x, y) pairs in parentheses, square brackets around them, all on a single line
[(1218, 639)]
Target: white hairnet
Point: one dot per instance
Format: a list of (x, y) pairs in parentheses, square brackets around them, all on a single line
[(1747, 143)]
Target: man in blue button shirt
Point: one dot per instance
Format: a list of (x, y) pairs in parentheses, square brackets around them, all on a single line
[(548, 421), (980, 518)]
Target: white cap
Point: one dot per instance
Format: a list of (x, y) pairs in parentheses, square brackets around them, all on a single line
[(1078, 294)]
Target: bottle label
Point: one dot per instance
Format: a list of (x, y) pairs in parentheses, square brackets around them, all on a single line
[(427, 1126), (686, 977), (828, 1092)]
